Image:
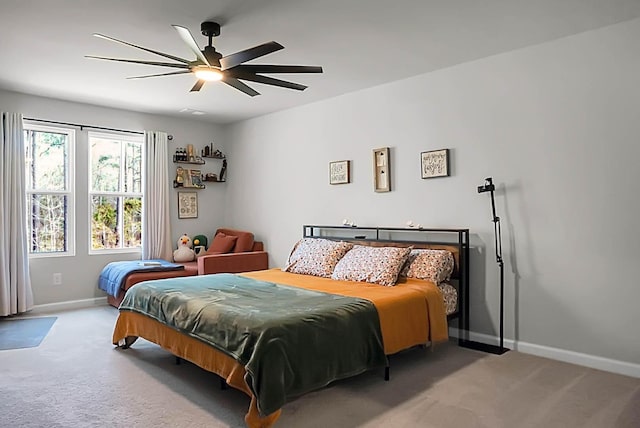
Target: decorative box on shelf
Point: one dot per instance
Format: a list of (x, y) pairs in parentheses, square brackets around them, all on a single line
[(216, 155), (212, 178)]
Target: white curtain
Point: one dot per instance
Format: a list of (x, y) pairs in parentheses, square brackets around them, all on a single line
[(156, 221), (15, 283)]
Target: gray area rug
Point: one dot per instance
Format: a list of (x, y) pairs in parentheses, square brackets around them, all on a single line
[(24, 332)]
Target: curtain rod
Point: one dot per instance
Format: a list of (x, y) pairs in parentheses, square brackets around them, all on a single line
[(78, 125)]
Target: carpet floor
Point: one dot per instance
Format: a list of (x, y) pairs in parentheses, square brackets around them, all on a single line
[(76, 378), (16, 333)]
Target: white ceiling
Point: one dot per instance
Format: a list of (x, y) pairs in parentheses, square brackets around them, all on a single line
[(359, 43)]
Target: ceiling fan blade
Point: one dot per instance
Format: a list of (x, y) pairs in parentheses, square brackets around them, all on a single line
[(136, 61), (232, 81), (269, 81), (190, 41), (238, 58), (199, 84), (175, 58), (266, 68), (161, 74)]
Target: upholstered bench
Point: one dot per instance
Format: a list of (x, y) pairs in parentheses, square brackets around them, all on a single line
[(190, 269)]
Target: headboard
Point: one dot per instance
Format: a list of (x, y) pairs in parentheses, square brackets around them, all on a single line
[(454, 240)]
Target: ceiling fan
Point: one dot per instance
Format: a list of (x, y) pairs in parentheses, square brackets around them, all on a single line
[(210, 65)]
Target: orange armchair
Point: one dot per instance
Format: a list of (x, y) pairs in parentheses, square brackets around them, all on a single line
[(246, 255)]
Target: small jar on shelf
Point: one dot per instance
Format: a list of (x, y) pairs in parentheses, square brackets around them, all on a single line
[(180, 155)]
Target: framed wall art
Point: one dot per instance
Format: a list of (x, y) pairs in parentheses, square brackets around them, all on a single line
[(187, 205), (340, 172), (381, 170), (435, 163)]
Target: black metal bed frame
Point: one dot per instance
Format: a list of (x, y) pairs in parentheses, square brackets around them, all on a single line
[(458, 238)]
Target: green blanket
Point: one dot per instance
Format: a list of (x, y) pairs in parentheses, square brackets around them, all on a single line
[(290, 340)]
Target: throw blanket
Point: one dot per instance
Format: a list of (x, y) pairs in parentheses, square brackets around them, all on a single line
[(290, 340), (115, 273)]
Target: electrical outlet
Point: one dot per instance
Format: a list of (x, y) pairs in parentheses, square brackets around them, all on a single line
[(57, 279)]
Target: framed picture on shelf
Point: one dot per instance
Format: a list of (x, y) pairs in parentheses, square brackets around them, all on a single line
[(192, 178), (187, 205), (340, 172), (195, 178), (435, 163)]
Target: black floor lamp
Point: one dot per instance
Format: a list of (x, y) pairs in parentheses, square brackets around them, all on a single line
[(488, 186)]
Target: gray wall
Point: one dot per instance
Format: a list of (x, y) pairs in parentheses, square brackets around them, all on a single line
[(555, 124), (80, 272)]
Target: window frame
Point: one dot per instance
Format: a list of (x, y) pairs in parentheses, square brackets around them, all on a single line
[(123, 138), (70, 192)]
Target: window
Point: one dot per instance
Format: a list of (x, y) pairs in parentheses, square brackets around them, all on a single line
[(50, 192), (115, 192)]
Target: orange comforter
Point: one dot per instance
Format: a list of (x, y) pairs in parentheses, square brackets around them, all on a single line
[(411, 313)]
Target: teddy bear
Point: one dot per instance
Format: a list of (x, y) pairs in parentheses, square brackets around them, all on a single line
[(184, 253)]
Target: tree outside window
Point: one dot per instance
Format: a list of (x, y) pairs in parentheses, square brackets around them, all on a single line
[(115, 190), (49, 184)]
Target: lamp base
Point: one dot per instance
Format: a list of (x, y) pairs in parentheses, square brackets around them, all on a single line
[(484, 347)]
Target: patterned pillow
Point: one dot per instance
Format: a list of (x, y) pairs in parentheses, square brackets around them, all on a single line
[(314, 256), (433, 265), (377, 265), (450, 296)]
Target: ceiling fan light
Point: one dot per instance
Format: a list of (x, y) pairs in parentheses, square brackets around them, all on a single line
[(208, 74)]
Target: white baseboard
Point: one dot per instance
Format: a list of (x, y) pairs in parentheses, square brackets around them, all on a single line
[(483, 338), (592, 361), (64, 306)]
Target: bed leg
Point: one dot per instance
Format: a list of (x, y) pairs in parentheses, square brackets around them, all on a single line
[(178, 361), (386, 373), (125, 343), (223, 384)]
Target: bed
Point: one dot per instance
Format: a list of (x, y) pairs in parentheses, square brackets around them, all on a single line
[(277, 334)]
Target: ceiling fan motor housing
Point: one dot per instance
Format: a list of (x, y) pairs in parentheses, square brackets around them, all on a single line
[(210, 29)]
